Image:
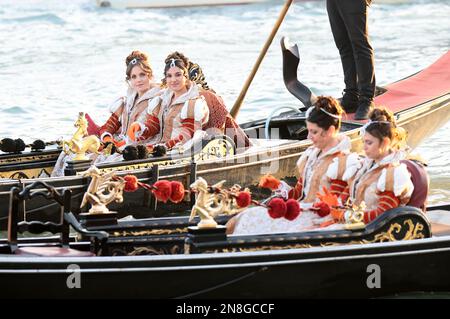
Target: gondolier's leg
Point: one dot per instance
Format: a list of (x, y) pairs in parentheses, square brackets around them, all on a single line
[(350, 17), (342, 41)]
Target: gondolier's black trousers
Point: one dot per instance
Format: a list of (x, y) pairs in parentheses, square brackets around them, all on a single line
[(348, 20)]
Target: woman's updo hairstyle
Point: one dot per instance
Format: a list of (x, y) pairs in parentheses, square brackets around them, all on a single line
[(179, 60), (382, 124), (138, 58), (325, 112)]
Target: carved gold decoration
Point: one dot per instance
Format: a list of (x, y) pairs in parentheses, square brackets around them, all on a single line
[(261, 248), (209, 205), (414, 231), (102, 191), (80, 143), (354, 217), (150, 232)]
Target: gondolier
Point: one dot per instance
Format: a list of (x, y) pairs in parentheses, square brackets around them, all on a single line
[(348, 20)]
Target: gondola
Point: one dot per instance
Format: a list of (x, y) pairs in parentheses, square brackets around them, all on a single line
[(403, 250), (420, 102)]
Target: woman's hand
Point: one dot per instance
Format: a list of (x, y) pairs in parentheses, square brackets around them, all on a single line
[(132, 130), (109, 139)]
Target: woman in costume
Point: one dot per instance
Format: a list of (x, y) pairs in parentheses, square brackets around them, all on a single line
[(125, 110), (177, 113), (327, 163), (383, 182)]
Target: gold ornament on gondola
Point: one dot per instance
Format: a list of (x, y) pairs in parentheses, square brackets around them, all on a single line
[(354, 217), (102, 190), (214, 200), (80, 142)]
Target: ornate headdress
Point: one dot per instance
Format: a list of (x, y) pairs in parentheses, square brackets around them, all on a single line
[(308, 113), (133, 62), (365, 126)]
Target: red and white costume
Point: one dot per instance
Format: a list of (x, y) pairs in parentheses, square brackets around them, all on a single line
[(173, 122), (382, 186), (126, 110), (316, 169)]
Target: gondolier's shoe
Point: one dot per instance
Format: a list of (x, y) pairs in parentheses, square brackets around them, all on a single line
[(364, 107), (350, 100)]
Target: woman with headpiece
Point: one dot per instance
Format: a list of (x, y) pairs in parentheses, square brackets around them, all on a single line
[(173, 117), (327, 163), (125, 110), (130, 108), (383, 182)]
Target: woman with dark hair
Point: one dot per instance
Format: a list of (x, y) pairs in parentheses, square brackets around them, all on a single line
[(173, 117), (383, 182), (327, 163)]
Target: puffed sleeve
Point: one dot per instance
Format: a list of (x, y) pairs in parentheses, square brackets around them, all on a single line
[(402, 184), (304, 157), (352, 165), (198, 110), (153, 104), (117, 103)]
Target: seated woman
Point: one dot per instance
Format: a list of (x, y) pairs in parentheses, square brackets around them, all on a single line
[(327, 163), (173, 117), (383, 182), (130, 108), (125, 110)]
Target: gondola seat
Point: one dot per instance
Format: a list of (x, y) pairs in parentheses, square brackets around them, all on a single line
[(421, 182), (50, 248)]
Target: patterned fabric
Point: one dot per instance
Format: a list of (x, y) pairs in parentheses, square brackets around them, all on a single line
[(174, 122), (386, 201), (338, 187), (152, 127), (382, 186), (196, 75), (297, 191), (111, 126), (221, 120)]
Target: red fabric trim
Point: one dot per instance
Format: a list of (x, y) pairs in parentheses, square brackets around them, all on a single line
[(188, 127), (337, 187), (152, 127), (111, 126), (386, 201), (297, 191)]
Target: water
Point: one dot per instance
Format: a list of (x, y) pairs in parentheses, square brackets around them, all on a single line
[(61, 57)]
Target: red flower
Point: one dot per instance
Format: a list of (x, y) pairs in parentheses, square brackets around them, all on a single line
[(268, 181), (293, 209), (162, 190), (243, 199), (177, 191), (277, 208), (131, 183), (322, 208)]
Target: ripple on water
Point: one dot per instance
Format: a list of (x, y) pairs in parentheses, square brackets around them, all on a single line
[(44, 18)]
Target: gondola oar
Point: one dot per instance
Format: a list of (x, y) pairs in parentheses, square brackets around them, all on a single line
[(237, 105), (291, 59)]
